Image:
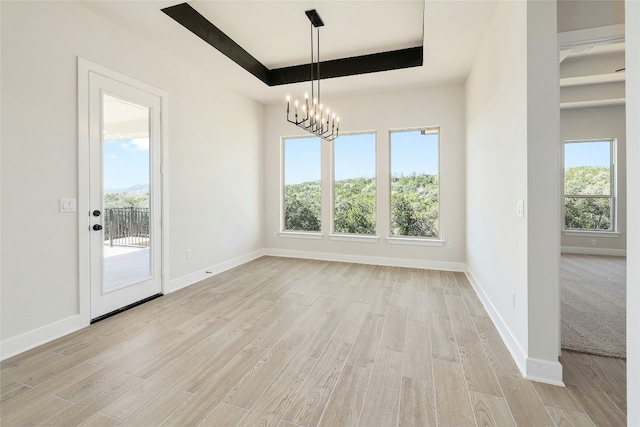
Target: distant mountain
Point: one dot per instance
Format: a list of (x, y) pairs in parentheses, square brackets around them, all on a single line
[(134, 189)]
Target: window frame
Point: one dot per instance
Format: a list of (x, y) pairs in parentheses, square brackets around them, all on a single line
[(612, 231), (336, 235), (416, 240), (296, 233)]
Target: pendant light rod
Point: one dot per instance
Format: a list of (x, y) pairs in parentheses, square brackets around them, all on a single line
[(312, 60), (318, 57)]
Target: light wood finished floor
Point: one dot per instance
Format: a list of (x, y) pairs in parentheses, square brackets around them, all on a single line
[(286, 342)]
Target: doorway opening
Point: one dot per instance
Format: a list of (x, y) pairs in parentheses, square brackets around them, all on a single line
[(593, 236)]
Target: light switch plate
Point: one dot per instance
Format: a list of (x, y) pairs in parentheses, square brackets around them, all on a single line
[(67, 205), (520, 208)]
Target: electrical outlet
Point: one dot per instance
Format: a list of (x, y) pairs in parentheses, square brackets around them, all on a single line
[(449, 244), (188, 254), (593, 242)]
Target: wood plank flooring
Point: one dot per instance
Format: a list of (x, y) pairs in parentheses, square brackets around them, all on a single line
[(289, 343)]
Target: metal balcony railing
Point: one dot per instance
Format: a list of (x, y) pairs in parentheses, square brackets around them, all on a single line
[(126, 226)]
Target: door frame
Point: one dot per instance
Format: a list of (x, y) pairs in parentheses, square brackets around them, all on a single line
[(84, 253)]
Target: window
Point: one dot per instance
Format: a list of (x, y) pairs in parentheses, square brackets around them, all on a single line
[(354, 184), (415, 188), (589, 185), (302, 192)]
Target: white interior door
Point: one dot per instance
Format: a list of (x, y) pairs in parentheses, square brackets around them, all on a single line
[(125, 195)]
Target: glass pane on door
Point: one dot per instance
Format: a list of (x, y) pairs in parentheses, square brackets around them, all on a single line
[(125, 182)]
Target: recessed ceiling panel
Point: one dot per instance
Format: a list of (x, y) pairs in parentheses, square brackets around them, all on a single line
[(453, 30), (383, 60), (277, 33)]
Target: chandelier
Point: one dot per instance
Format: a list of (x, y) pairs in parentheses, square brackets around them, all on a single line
[(314, 118)]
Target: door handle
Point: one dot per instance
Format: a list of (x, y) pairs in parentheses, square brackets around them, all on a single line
[(96, 213), (97, 227)]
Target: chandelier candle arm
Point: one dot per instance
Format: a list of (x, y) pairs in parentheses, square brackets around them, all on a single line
[(316, 120)]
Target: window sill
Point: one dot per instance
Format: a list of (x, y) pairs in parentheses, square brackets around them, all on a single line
[(611, 234), (300, 235), (354, 238), (414, 241)]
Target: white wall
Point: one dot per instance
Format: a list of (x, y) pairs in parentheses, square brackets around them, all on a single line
[(632, 29), (595, 92), (600, 122), (581, 14), (441, 106), (543, 201), (496, 169), (511, 155), (215, 166)]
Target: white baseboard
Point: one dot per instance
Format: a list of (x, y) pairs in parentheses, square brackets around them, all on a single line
[(190, 279), (365, 259), (544, 371), (592, 251), (532, 369), (517, 354), (39, 336)]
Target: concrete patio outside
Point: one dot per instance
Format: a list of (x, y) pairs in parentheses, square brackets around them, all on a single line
[(125, 265)]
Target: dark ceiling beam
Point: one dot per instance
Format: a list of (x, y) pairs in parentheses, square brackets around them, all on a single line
[(373, 63), (189, 18)]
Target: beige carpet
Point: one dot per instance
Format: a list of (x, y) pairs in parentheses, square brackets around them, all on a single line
[(593, 304)]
